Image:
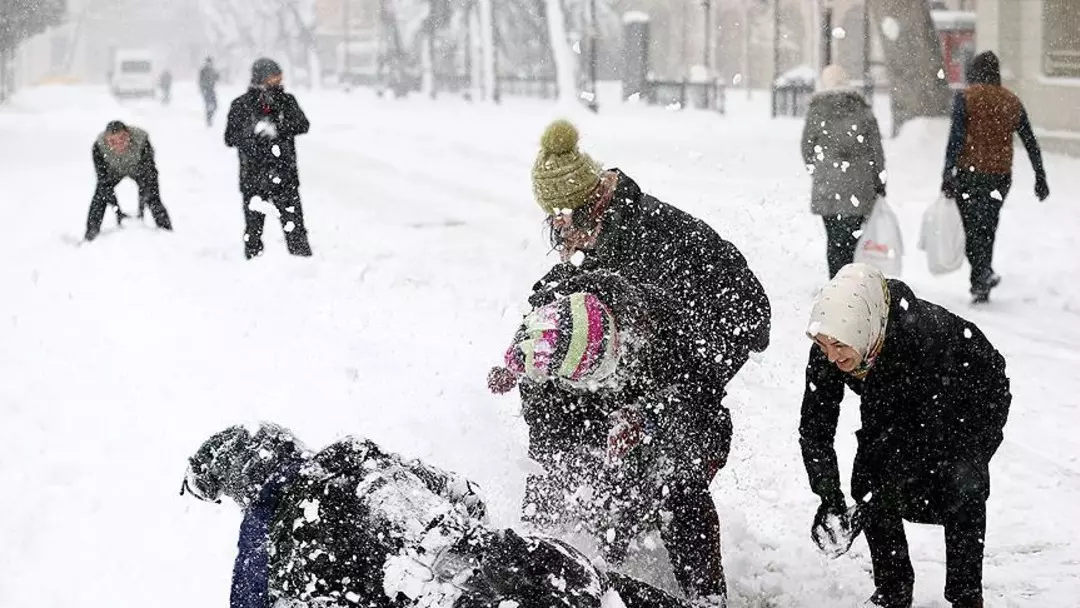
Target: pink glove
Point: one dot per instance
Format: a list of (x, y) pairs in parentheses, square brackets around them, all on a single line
[(626, 433), (501, 380)]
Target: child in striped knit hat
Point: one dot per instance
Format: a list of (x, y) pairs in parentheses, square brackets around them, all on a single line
[(615, 412)]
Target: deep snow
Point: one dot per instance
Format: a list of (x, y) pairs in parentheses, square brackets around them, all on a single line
[(121, 356)]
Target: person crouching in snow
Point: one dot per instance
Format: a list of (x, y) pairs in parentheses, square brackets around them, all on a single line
[(354, 525), (262, 125), (621, 421), (935, 399), (119, 152)]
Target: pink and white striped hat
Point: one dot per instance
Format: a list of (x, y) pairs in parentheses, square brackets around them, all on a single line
[(573, 339)]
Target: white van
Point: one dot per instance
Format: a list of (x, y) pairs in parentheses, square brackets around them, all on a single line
[(134, 74)]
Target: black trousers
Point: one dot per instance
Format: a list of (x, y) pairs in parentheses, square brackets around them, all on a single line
[(105, 195), (841, 238), (291, 214), (958, 504), (692, 539), (980, 197)]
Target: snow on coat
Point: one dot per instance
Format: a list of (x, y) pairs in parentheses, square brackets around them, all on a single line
[(356, 526), (936, 398), (648, 242), (841, 145), (262, 125)]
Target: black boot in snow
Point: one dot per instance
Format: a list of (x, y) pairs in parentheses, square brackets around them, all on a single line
[(890, 598)]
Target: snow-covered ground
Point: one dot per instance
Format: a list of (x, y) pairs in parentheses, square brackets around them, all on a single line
[(118, 358)]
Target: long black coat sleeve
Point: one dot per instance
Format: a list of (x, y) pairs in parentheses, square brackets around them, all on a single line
[(100, 170), (817, 428), (293, 121)]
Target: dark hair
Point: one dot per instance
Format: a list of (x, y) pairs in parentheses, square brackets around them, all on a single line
[(985, 68), (115, 127)]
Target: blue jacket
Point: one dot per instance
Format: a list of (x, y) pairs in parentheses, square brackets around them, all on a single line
[(251, 572)]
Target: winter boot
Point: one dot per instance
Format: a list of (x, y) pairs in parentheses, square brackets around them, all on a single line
[(890, 598)]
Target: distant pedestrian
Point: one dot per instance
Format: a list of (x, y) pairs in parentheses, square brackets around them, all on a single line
[(841, 147), (165, 82), (979, 160), (208, 78)]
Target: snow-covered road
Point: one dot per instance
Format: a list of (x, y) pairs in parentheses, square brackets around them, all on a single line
[(118, 358)]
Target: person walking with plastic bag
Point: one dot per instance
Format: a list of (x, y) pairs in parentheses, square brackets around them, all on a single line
[(978, 163), (841, 147), (934, 401)]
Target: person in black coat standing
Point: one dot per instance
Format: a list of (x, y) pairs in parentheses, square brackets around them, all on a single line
[(620, 421), (935, 398), (263, 124), (122, 151)]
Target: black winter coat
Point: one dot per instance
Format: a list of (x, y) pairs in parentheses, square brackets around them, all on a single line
[(659, 374), (267, 164), (934, 402), (352, 507), (649, 242)]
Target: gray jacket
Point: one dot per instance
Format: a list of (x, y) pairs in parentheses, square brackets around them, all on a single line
[(126, 164), (841, 146)]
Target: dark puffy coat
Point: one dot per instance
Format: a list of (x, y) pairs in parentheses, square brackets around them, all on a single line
[(842, 142), (935, 400), (659, 373), (649, 242), (267, 165), (356, 526), (686, 437)]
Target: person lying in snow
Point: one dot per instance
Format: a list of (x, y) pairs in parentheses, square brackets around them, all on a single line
[(354, 525), (935, 399), (619, 420)]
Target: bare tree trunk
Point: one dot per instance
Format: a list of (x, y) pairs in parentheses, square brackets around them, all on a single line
[(487, 44), (914, 59), (565, 61)]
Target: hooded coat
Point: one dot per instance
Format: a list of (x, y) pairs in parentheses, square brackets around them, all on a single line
[(841, 145), (935, 400), (354, 525), (648, 242)]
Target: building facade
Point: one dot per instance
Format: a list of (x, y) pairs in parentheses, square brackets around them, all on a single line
[(1039, 45)]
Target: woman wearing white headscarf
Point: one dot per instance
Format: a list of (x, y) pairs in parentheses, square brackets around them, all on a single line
[(935, 399)]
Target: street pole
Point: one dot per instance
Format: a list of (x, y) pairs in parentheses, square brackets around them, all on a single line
[(594, 38), (868, 76), (345, 42), (826, 35), (775, 54), (706, 55)]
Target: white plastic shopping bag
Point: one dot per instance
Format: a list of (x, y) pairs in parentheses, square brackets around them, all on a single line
[(942, 236), (881, 243)]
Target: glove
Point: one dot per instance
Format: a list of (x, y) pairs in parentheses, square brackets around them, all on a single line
[(879, 189), (835, 527), (501, 380), (627, 432), (1042, 189), (266, 128), (949, 187)]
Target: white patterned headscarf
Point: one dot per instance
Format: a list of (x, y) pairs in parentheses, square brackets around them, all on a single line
[(853, 308)]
